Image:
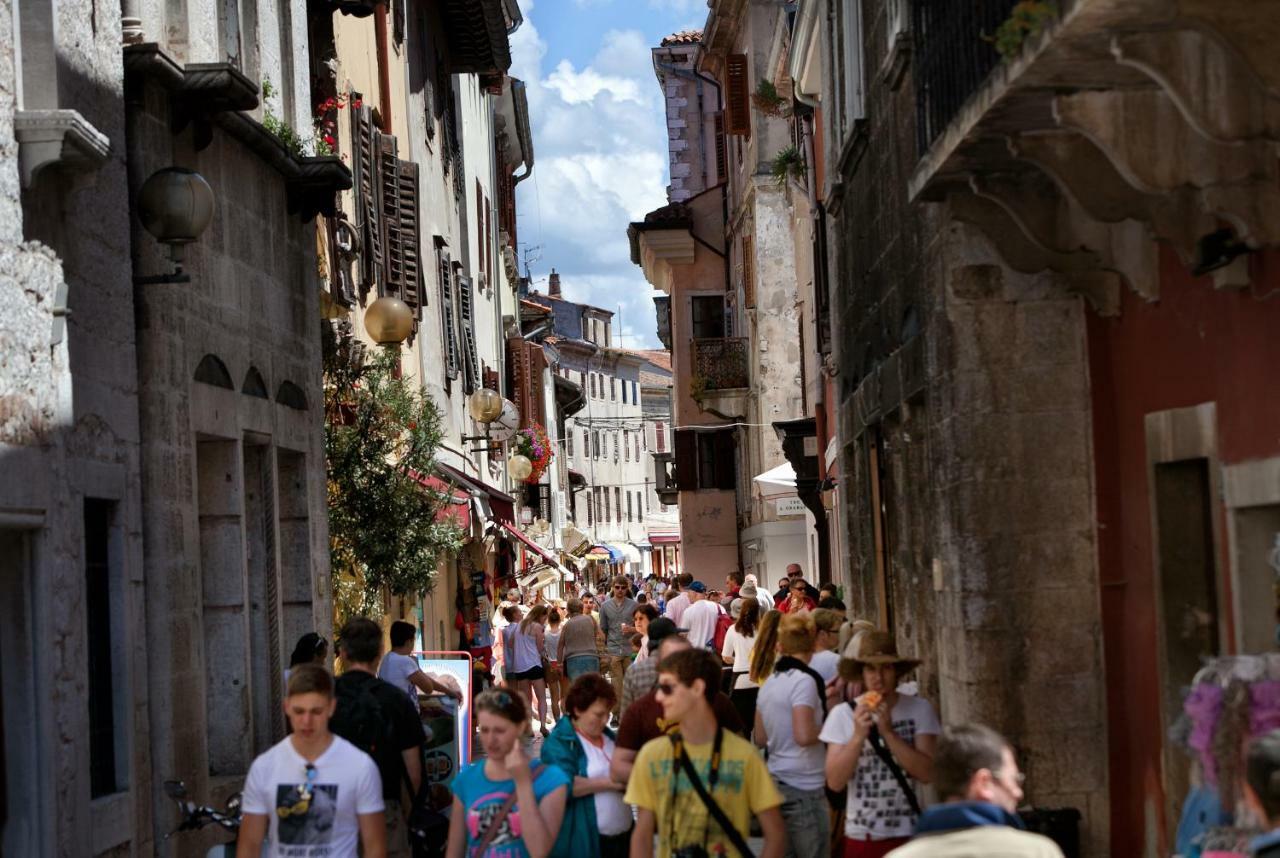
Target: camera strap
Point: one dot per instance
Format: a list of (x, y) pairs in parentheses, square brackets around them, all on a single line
[(886, 757), (714, 809)]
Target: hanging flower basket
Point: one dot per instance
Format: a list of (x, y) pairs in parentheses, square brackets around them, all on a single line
[(534, 444)]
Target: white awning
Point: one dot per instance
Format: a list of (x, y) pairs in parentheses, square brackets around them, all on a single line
[(777, 482)]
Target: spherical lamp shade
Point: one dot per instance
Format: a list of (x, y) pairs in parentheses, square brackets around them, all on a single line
[(485, 405), (519, 467), (175, 205), (389, 321)]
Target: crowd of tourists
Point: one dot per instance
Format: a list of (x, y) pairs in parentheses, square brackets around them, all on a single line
[(682, 724)]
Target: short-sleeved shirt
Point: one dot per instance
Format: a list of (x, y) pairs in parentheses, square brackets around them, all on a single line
[(826, 664), (404, 727), (877, 806), (743, 789), (396, 669), (700, 618), (676, 607), (789, 763), (345, 786), (613, 616), (482, 799), (643, 721), (738, 647)]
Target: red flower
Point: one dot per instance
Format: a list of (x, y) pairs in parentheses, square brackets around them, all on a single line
[(413, 424), (328, 138)]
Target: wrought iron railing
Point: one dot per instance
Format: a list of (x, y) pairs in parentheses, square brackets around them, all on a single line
[(720, 363), (953, 52)]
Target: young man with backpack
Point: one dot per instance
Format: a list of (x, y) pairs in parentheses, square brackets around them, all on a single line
[(377, 718)]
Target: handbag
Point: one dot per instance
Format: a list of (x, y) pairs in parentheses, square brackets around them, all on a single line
[(735, 837)]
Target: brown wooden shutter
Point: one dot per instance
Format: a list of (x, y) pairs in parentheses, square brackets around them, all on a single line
[(726, 464), (480, 227), (364, 167), (721, 170), (518, 358), (537, 364), (686, 459), (410, 284), (447, 324), (737, 96), (488, 243), (748, 271), (660, 437), (392, 275), (470, 358)]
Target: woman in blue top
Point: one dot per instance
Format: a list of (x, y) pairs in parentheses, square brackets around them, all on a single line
[(597, 822), (502, 806)]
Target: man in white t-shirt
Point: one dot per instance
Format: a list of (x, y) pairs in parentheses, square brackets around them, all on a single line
[(402, 670), (314, 794), (885, 724), (701, 615), (678, 604)]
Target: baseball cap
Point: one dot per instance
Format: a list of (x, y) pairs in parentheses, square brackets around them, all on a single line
[(661, 629), (698, 587)]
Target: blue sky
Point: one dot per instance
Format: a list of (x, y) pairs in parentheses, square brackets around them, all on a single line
[(600, 146)]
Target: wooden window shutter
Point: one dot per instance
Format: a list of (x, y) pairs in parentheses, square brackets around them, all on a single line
[(726, 465), (537, 364), (518, 357), (480, 228), (748, 271), (470, 358), (737, 96), (364, 167), (410, 285), (721, 170), (447, 324), (392, 273), (686, 459), (660, 437), (488, 242)]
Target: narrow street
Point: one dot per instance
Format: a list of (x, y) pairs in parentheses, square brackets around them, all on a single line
[(860, 410)]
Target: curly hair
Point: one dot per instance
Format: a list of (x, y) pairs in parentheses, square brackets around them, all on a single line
[(585, 691)]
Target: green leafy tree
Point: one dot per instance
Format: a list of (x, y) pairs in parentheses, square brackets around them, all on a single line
[(381, 436)]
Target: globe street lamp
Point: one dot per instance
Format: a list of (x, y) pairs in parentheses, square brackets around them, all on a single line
[(175, 205), (519, 468), (389, 321)]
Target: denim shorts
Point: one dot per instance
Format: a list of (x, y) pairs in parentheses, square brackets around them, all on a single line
[(577, 665)]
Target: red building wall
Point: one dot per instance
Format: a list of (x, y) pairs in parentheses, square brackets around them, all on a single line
[(1194, 345)]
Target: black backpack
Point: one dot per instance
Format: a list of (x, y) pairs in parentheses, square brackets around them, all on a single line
[(359, 718)]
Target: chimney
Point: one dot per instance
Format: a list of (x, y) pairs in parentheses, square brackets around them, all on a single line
[(554, 288)]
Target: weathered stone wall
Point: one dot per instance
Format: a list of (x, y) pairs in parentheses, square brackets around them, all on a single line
[(68, 431), (968, 385), (233, 480)]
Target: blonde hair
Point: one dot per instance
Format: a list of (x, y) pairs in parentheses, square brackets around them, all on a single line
[(536, 613), (796, 633), (765, 651)]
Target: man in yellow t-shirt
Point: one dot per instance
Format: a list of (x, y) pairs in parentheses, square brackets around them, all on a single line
[(729, 768)]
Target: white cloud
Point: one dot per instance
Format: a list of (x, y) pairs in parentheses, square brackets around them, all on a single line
[(600, 163)]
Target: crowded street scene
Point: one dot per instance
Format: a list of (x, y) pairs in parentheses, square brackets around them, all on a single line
[(672, 428)]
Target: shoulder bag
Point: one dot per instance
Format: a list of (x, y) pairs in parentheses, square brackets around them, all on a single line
[(682, 759)]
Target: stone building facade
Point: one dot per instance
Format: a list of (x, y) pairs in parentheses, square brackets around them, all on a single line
[(1049, 323)]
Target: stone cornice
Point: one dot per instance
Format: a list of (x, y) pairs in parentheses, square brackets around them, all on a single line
[(61, 137)]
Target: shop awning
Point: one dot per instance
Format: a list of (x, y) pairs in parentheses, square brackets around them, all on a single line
[(605, 551), (543, 554), (457, 504), (495, 505), (777, 482), (627, 550), (664, 537)]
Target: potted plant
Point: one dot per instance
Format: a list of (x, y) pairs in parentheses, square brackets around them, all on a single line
[(766, 98), (1027, 19), (533, 444), (787, 164)]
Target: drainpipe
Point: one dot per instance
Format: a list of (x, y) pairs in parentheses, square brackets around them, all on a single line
[(131, 22), (384, 65)]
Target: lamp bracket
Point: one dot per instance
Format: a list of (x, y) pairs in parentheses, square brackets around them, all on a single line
[(176, 276)]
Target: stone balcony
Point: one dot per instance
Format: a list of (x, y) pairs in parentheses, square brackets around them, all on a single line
[(1122, 121)]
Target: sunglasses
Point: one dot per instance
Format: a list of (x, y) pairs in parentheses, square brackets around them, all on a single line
[(666, 689), (302, 803)]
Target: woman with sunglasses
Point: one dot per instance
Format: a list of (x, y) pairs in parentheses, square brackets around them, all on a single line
[(597, 822), (504, 806)]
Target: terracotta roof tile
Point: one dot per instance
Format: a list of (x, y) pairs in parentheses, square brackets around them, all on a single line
[(684, 37)]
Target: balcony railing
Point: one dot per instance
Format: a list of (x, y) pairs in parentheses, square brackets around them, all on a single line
[(953, 53), (720, 364)]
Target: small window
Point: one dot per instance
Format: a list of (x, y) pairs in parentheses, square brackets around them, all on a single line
[(106, 760), (613, 389), (635, 398), (617, 502), (624, 392), (629, 506), (568, 444)]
